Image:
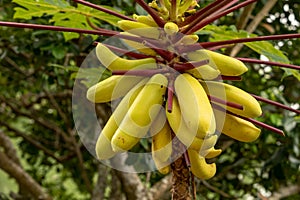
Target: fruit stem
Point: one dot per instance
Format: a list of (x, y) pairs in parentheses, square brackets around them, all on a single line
[(200, 12), (97, 7), (140, 72), (99, 31), (242, 40), (160, 22), (187, 159), (189, 65), (167, 55), (170, 94), (227, 103), (228, 78), (266, 126), (250, 60), (212, 9), (209, 45), (258, 123), (219, 47), (275, 104)]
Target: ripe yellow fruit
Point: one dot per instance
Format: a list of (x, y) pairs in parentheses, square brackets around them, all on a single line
[(113, 62), (162, 167), (171, 28), (212, 153), (183, 133), (199, 167), (103, 146), (189, 39), (206, 72), (229, 93), (236, 127), (112, 88), (148, 20), (141, 114), (161, 138), (194, 105), (139, 46), (227, 65), (140, 29)]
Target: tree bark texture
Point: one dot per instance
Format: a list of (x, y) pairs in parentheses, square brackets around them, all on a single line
[(254, 23), (10, 163), (181, 179), (23, 178)]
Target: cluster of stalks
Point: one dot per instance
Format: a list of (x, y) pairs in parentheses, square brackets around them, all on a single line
[(191, 24)]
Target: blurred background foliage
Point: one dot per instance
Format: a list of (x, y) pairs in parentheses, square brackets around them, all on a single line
[(36, 81)]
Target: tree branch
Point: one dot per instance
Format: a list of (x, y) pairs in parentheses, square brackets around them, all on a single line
[(116, 187), (132, 186), (9, 149), (216, 190), (254, 23), (38, 97), (99, 189), (22, 177), (58, 108), (285, 192), (84, 175), (244, 18), (161, 188), (15, 65), (38, 119), (30, 140)]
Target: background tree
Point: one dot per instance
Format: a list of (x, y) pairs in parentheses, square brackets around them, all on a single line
[(42, 155)]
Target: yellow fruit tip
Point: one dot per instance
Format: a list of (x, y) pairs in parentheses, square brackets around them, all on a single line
[(164, 170), (117, 149), (171, 28), (91, 97)]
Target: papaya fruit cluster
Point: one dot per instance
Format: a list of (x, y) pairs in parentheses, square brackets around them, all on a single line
[(169, 94)]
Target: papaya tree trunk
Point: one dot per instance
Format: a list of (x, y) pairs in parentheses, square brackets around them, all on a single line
[(181, 177)]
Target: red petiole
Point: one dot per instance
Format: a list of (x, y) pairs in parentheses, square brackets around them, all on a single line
[(99, 31), (217, 16), (250, 60), (170, 94), (208, 11), (160, 22), (200, 12), (258, 123), (189, 65), (140, 72), (228, 78), (243, 40), (275, 104), (227, 103)]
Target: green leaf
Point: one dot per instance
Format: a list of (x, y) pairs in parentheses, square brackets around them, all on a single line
[(34, 8), (221, 33), (59, 52), (63, 14)]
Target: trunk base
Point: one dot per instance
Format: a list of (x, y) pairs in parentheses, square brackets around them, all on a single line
[(181, 177)]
